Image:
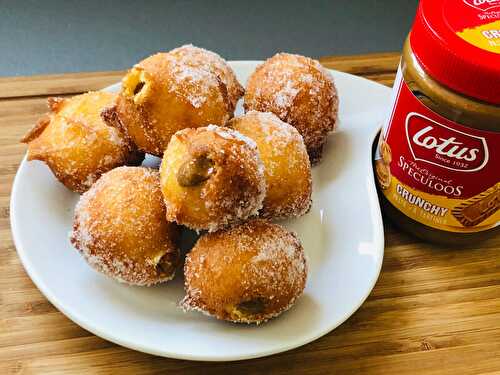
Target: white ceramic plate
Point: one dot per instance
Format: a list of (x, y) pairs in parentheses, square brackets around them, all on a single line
[(342, 236)]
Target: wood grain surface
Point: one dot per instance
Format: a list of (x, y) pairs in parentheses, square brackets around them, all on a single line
[(433, 310)]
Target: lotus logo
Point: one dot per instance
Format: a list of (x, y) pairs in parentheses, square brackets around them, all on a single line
[(483, 5), (440, 145)]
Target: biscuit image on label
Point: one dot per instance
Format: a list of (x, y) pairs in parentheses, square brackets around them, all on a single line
[(478, 208), (385, 151), (383, 174)]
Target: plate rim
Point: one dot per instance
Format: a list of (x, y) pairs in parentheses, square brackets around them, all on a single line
[(74, 317)]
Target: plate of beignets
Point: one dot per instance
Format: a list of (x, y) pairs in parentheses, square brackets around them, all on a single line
[(204, 209)]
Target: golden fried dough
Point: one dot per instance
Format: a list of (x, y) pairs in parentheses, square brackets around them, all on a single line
[(300, 92), (211, 177), (163, 94), (76, 144), (286, 165), (248, 274), (202, 58), (120, 228)]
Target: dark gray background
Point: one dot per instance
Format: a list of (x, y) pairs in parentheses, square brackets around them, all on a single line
[(38, 37)]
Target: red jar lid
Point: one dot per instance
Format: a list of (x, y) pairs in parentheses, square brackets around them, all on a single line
[(457, 42)]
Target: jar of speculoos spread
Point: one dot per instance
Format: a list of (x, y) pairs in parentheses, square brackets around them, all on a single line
[(438, 158)]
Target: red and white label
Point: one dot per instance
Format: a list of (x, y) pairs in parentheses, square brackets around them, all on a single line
[(434, 167), (443, 146), (483, 5)]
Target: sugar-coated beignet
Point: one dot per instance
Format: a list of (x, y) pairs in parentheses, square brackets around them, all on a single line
[(76, 144), (211, 177), (300, 92), (286, 164), (202, 58), (163, 94), (120, 228), (247, 274)]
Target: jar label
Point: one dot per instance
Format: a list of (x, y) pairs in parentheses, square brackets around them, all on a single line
[(438, 172), (476, 21)]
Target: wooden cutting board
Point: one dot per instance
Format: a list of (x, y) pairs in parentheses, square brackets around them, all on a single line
[(433, 310)]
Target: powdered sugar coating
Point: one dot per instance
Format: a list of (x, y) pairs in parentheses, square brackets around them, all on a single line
[(165, 93), (300, 92), (204, 59), (185, 77), (120, 229), (286, 164), (76, 144), (232, 193), (255, 261), (228, 133)]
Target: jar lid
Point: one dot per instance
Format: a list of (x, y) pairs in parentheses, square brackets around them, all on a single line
[(457, 42)]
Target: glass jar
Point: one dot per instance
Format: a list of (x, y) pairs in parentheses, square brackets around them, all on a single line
[(438, 158)]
